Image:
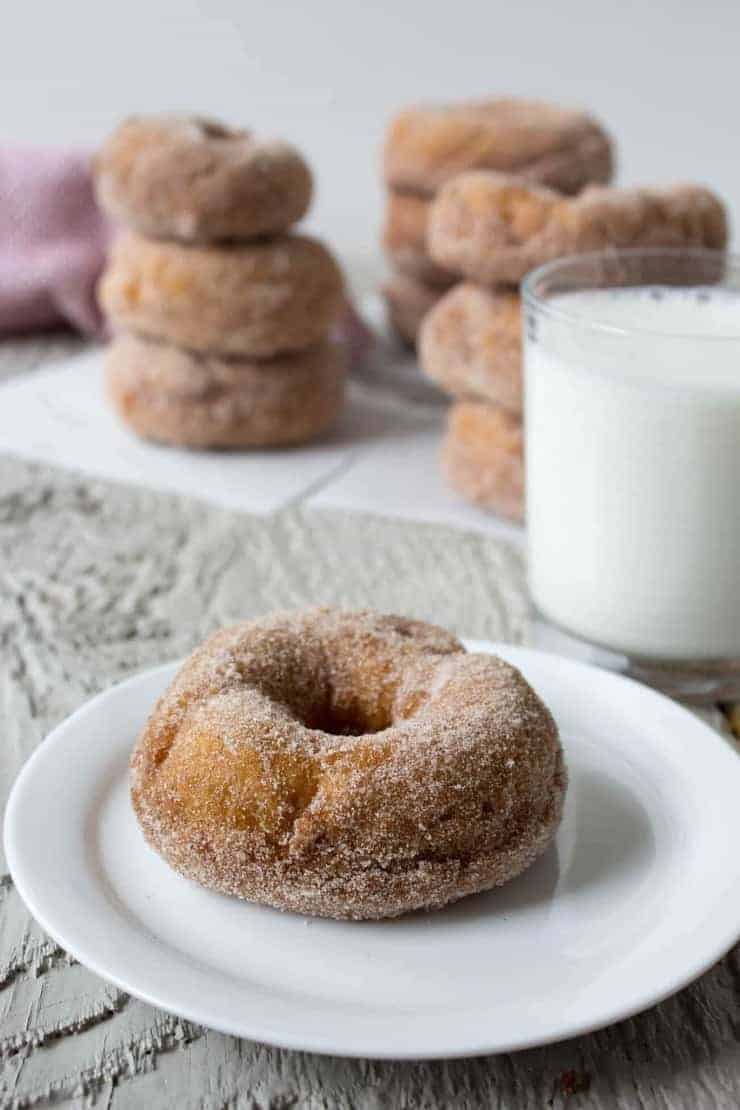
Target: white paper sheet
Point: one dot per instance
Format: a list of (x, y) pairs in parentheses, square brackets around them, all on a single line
[(400, 476)]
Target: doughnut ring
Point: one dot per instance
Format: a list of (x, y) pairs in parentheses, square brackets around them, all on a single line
[(347, 765), (192, 179), (494, 229), (470, 344), (171, 395), (252, 299), (428, 144), (483, 457)]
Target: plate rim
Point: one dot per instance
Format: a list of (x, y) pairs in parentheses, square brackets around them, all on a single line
[(320, 1043)]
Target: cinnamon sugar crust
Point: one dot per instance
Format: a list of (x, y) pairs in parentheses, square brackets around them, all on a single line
[(483, 457), (470, 344), (493, 229), (253, 299), (426, 145), (348, 765), (175, 396), (184, 177)]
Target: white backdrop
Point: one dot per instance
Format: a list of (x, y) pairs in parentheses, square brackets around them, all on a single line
[(661, 74)]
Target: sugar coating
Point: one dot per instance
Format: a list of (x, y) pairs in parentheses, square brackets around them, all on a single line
[(494, 229), (483, 457), (347, 764), (470, 344), (253, 299), (183, 177), (172, 395), (428, 144)]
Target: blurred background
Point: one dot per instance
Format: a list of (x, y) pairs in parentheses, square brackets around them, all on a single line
[(662, 77)]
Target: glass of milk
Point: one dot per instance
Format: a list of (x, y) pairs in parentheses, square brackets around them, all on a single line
[(632, 408)]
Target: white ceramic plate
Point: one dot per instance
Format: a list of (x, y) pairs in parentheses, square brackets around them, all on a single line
[(640, 894)]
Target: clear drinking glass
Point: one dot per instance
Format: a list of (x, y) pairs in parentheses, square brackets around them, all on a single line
[(632, 409)]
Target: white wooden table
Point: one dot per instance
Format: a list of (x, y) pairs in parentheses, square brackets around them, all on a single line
[(98, 580)]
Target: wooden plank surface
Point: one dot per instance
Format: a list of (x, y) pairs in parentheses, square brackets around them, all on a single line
[(98, 581)]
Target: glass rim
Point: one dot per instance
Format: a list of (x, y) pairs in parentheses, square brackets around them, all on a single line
[(533, 299)]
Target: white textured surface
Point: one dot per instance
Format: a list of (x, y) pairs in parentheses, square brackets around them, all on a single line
[(97, 581)]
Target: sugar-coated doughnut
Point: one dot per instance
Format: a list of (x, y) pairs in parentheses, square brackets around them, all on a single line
[(426, 145), (405, 239), (348, 765), (470, 344), (483, 457), (193, 179), (407, 301), (494, 230), (181, 397), (253, 299)]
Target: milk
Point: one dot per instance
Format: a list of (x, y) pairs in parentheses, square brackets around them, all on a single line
[(633, 468)]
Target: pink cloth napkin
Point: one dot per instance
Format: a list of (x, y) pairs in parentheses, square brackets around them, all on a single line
[(53, 240)]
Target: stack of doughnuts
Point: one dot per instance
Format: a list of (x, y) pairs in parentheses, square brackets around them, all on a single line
[(223, 315), (491, 228), (427, 145)]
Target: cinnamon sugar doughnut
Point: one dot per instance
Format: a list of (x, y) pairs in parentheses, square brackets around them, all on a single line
[(252, 299), (407, 301), (171, 395), (193, 179), (405, 239), (348, 765), (483, 457), (428, 144), (470, 344), (494, 230)]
